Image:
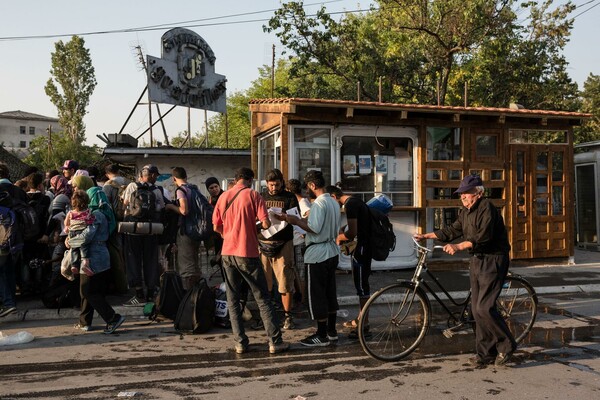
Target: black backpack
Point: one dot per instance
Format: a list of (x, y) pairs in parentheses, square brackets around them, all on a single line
[(196, 313), (170, 294), (62, 293), (29, 221), (382, 239), (142, 204), (197, 224)]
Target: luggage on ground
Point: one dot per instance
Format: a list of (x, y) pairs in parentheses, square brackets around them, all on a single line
[(196, 313)]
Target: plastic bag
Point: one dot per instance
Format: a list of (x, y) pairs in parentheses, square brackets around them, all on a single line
[(17, 338)]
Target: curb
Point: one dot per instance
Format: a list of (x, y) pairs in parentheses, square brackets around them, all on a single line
[(41, 314)]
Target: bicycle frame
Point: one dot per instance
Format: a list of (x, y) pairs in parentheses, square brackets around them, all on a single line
[(417, 280)]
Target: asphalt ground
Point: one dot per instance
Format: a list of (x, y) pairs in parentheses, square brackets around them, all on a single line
[(547, 278)]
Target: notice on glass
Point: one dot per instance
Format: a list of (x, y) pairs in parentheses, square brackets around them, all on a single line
[(364, 165)]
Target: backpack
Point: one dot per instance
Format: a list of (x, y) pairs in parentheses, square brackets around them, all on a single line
[(382, 239), (197, 224), (170, 294), (117, 203), (99, 201), (142, 204), (29, 221), (40, 203), (196, 313), (62, 294), (10, 238)]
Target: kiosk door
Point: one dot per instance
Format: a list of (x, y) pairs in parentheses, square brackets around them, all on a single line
[(539, 191)]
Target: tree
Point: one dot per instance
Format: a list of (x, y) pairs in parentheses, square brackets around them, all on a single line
[(72, 70), (48, 156), (425, 52), (590, 130)]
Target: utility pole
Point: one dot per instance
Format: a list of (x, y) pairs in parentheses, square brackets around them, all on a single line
[(273, 72), (49, 130)]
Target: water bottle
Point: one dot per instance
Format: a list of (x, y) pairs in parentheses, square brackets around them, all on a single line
[(17, 338), (343, 313)]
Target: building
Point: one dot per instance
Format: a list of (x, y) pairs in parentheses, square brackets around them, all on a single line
[(19, 128), (199, 163), (587, 170), (417, 156)]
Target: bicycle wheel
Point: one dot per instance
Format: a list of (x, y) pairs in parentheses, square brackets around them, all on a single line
[(394, 321), (517, 303)]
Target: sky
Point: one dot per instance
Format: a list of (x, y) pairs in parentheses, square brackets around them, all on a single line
[(238, 41)]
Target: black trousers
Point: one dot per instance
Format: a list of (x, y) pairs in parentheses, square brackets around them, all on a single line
[(492, 336), (93, 297)]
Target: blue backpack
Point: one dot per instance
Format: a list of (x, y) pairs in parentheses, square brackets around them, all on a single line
[(11, 241), (197, 224)]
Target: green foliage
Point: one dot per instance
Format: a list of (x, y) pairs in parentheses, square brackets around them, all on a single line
[(590, 130), (48, 156), (429, 49), (72, 70)]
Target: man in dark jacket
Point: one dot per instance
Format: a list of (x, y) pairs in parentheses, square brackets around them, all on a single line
[(484, 235)]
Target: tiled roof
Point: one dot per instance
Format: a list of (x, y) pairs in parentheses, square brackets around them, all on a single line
[(27, 116), (420, 107)]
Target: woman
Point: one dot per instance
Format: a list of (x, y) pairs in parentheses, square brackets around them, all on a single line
[(54, 235), (93, 288)]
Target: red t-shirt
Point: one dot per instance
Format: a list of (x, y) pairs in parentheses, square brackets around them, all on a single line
[(239, 225)]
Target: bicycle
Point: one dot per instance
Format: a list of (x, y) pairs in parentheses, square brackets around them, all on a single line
[(396, 318)]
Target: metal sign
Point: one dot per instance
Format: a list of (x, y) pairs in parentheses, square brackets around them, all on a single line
[(185, 73)]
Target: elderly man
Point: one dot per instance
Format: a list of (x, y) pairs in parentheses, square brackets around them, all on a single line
[(481, 227)]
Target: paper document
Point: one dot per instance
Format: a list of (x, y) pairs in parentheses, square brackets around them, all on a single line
[(276, 225), (294, 211)]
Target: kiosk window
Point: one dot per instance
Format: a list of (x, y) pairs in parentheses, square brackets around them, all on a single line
[(378, 165), (443, 144), (312, 147)]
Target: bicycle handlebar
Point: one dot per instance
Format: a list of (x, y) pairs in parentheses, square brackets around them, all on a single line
[(427, 249)]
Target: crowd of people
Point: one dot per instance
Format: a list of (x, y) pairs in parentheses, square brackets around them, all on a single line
[(283, 243)]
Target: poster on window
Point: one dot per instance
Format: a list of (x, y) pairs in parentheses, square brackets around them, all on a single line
[(364, 165), (381, 164), (349, 165)]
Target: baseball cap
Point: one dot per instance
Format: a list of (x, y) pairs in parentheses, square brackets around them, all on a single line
[(70, 164), (152, 169), (468, 183)]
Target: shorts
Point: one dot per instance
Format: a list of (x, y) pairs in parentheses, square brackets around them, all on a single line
[(282, 266)]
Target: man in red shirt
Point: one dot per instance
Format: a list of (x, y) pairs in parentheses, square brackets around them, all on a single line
[(235, 217)]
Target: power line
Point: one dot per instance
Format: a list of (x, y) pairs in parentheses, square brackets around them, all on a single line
[(584, 11), (191, 23)]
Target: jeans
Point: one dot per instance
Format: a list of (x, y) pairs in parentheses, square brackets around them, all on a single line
[(238, 270), (8, 285)]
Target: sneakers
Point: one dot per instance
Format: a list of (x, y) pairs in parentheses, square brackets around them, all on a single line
[(315, 341), (289, 323), (85, 328), (116, 322), (332, 336), (240, 348), (135, 302), (4, 311), (280, 347)]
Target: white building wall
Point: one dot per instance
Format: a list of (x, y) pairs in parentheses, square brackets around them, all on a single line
[(17, 142)]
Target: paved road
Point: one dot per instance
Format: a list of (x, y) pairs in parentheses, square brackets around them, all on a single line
[(558, 360)]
